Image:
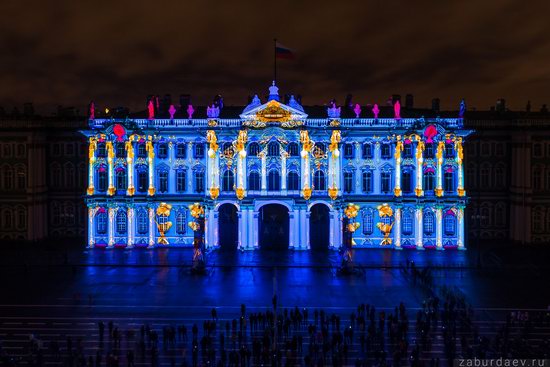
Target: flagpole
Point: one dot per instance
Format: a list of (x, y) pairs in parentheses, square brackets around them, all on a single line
[(275, 59)]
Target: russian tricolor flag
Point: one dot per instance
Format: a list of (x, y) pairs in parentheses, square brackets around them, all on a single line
[(282, 52)]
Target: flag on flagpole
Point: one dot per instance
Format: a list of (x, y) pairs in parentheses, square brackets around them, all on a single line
[(283, 52)]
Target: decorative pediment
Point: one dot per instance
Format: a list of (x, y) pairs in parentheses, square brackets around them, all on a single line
[(273, 113)]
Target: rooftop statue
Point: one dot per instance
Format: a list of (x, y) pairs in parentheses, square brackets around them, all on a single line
[(190, 111), (292, 102), (172, 111), (375, 110), (213, 111), (397, 110), (333, 111), (357, 110), (151, 110), (462, 110), (273, 92)]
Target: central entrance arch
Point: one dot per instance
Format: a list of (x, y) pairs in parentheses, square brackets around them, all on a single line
[(228, 226), (319, 224), (273, 225)]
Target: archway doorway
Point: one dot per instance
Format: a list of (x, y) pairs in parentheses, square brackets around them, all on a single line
[(228, 226), (273, 225), (319, 224)]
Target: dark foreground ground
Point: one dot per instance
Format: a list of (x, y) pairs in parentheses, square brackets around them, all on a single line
[(58, 294)]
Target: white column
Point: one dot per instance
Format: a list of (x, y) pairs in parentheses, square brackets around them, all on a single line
[(439, 170), (264, 172), (439, 228), (241, 228), (397, 229), (332, 229), (291, 229), (251, 228), (91, 169), (307, 215), (460, 170), (397, 180), (130, 190), (460, 220), (189, 171), (151, 165), (215, 229), (419, 166), (111, 228), (171, 171), (338, 229), (111, 168), (305, 171), (256, 229), (418, 232), (130, 229), (152, 228), (283, 171), (302, 214), (91, 237)]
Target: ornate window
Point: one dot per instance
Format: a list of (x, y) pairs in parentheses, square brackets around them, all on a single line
[(429, 150), (366, 182), (449, 224), (102, 179), (120, 150), (538, 220), (55, 176), (273, 181), (181, 150), (199, 181), (429, 180), (319, 181), (385, 151), (484, 177), (500, 215), (407, 150), (7, 219), (254, 183), (429, 227), (121, 222), (367, 151), (101, 223), (142, 179), (499, 176), (141, 150), (321, 147), (227, 148), (406, 181), (293, 150), (198, 150), (449, 182), (385, 182), (163, 181), (273, 149), (407, 224), (537, 178), (293, 181), (120, 180), (101, 150), (253, 149), (348, 182), (368, 222), (228, 181), (142, 222), (163, 150), (21, 177), (69, 175), (348, 151), (21, 219), (181, 222), (181, 180), (449, 150)]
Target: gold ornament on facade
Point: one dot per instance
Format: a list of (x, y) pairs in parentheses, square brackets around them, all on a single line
[(334, 123), (385, 211), (459, 149), (307, 144), (163, 211), (91, 156), (240, 192), (351, 211), (439, 153), (438, 192), (419, 147), (273, 112), (213, 141), (397, 191), (196, 210), (333, 192), (212, 123), (335, 139), (398, 148), (214, 192), (306, 192)]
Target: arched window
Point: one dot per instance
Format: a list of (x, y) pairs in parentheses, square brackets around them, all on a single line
[(141, 150), (120, 150), (385, 151), (449, 182), (55, 176), (406, 181), (500, 215), (142, 180), (484, 176), (293, 150), (537, 178), (142, 222), (293, 181), (163, 150), (253, 149), (227, 148), (429, 150), (368, 223), (499, 176), (56, 214), (181, 150), (181, 180), (21, 219), (7, 219), (101, 151), (407, 150), (254, 183), (228, 181), (69, 214), (121, 222), (198, 150), (181, 222), (385, 182), (101, 223), (69, 175), (538, 220), (449, 151), (163, 181), (319, 181), (407, 224), (348, 182), (429, 227), (21, 178), (367, 151), (449, 224), (102, 179), (366, 182), (485, 213), (273, 181), (348, 151), (120, 179), (273, 149), (429, 180), (199, 181)]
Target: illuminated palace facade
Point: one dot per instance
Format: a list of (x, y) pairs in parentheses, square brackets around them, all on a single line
[(273, 176)]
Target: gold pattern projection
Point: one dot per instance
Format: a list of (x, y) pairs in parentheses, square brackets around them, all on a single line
[(385, 211)]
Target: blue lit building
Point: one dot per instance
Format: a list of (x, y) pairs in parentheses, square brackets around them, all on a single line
[(273, 175)]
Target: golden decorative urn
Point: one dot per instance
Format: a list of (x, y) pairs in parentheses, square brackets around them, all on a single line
[(163, 224), (385, 211)]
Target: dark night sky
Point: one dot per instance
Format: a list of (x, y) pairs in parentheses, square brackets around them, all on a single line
[(117, 52)]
